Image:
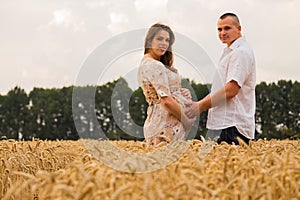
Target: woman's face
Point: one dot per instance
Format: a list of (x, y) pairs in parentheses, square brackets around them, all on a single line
[(159, 44)]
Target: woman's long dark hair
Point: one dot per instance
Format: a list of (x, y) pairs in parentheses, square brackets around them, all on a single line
[(167, 59)]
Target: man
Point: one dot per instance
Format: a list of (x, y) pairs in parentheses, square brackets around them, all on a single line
[(231, 102)]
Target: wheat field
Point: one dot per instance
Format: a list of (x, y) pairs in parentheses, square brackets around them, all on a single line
[(67, 170)]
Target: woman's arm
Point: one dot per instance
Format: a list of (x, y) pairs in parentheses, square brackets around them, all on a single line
[(173, 107), (229, 91)]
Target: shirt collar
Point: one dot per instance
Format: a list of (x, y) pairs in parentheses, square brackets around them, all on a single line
[(236, 43)]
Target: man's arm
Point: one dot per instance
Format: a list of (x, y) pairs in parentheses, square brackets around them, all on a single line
[(226, 93), (173, 107)]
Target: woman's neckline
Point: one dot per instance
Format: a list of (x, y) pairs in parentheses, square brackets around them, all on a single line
[(148, 56)]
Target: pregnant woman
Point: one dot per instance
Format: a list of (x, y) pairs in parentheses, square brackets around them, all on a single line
[(161, 84)]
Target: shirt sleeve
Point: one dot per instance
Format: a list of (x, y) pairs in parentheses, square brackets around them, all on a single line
[(156, 74), (238, 69)]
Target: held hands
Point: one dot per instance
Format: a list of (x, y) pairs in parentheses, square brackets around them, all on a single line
[(186, 93), (190, 118), (187, 125), (192, 109)]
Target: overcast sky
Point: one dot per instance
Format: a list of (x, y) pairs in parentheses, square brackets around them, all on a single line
[(44, 43)]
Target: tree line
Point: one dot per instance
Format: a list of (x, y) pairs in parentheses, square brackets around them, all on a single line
[(113, 110)]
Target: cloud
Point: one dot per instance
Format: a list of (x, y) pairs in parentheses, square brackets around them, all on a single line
[(117, 20), (146, 5), (51, 39), (96, 4), (64, 18)]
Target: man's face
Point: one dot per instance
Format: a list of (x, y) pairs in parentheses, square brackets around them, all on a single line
[(228, 30)]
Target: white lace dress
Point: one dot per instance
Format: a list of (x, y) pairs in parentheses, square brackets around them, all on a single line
[(157, 81)]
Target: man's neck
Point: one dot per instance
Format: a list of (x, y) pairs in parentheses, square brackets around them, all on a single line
[(233, 41)]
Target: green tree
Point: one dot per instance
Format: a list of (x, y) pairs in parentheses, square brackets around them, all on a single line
[(199, 92), (51, 113), (2, 116), (84, 110), (295, 109), (118, 111), (277, 111), (14, 113), (138, 107), (113, 110), (287, 112)]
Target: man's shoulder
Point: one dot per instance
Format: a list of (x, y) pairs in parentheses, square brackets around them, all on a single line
[(240, 42), (243, 48)]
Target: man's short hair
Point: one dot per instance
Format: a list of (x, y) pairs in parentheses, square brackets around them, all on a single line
[(234, 17)]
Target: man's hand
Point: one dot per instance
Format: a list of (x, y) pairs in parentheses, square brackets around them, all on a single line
[(192, 109), (188, 123)]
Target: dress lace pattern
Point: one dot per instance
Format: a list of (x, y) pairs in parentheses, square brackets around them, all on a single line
[(157, 81)]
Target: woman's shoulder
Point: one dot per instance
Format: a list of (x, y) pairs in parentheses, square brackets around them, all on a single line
[(150, 62)]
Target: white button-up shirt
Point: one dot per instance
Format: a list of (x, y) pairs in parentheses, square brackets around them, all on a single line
[(236, 63)]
